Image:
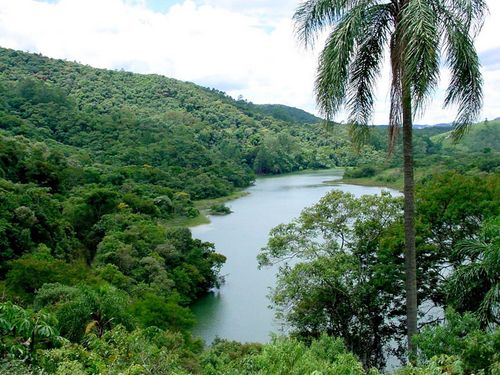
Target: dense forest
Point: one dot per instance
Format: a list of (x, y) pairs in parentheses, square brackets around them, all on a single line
[(96, 168)]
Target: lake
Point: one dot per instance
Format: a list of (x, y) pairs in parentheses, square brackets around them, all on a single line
[(239, 310)]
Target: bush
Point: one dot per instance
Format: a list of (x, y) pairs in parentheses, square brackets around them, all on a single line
[(219, 209), (283, 356), (360, 172), (461, 337)]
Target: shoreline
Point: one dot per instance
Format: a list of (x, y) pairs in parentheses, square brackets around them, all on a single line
[(204, 205), (366, 181)]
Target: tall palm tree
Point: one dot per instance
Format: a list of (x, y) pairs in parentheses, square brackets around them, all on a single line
[(415, 33)]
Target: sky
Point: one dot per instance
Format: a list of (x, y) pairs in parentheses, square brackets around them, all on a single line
[(245, 48)]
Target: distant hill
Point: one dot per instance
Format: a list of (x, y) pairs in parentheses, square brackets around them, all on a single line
[(277, 111), (480, 137), (288, 114), (440, 125), (421, 127)]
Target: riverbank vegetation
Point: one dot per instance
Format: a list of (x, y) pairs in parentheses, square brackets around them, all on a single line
[(435, 152), (100, 172)]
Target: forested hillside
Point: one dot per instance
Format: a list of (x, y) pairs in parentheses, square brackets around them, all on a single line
[(482, 137), (196, 136)]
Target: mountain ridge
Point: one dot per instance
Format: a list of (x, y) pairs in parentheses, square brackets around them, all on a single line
[(170, 85), (202, 140)]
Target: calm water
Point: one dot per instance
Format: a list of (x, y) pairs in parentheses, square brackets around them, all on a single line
[(239, 310)]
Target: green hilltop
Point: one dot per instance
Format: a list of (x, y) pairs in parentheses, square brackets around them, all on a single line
[(480, 137)]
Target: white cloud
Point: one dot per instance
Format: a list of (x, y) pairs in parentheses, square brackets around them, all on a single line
[(264, 9), (242, 47)]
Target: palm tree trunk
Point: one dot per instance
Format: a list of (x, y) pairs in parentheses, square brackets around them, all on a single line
[(409, 223)]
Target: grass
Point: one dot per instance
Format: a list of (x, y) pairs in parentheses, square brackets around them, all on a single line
[(372, 181), (393, 177), (188, 221), (203, 206)]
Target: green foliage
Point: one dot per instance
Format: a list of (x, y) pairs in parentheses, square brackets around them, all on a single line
[(24, 331), (95, 215), (30, 272), (456, 348), (31, 217), (366, 171), (454, 206), (152, 310), (475, 285), (17, 367), (285, 113), (435, 153), (277, 154), (282, 356), (149, 351), (83, 309), (441, 365), (219, 209), (481, 137), (224, 355), (177, 129), (461, 337), (337, 283)]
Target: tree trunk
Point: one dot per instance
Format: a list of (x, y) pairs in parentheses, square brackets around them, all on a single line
[(409, 223)]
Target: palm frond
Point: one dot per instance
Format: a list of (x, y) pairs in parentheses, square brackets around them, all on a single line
[(365, 68), (465, 89), (470, 13), (335, 59), (478, 270), (471, 248), (468, 275), (312, 16), (395, 114), (490, 306), (420, 39), (359, 134)]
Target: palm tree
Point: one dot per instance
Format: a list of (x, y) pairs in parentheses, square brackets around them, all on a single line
[(415, 33)]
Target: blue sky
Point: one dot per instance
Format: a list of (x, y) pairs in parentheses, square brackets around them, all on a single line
[(243, 47), (160, 5)]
